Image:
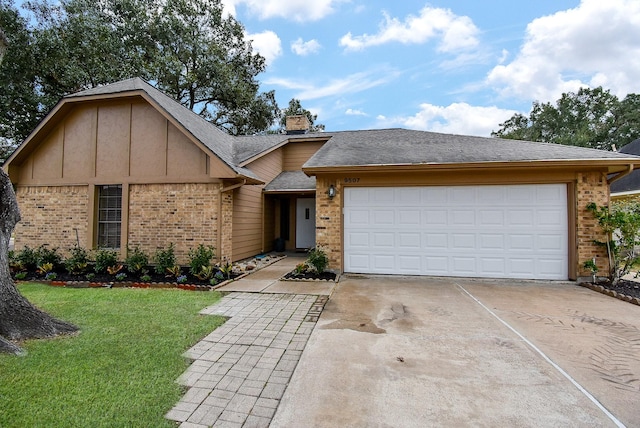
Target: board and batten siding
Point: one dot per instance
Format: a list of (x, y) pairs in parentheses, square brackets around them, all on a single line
[(116, 142), (295, 154), (248, 221), (126, 142)]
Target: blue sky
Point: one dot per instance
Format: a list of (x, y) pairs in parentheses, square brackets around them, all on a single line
[(457, 66)]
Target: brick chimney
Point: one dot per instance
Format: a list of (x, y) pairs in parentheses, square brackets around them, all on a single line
[(298, 124)]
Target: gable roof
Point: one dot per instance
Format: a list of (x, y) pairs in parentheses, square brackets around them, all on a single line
[(402, 147), (216, 141), (629, 183)]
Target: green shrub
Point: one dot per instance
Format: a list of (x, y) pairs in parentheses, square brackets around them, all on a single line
[(78, 261), (27, 258), (621, 226), (136, 260), (105, 259), (200, 258), (45, 255), (164, 259), (318, 259)]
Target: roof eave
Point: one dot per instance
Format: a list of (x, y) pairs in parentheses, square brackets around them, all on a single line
[(612, 165)]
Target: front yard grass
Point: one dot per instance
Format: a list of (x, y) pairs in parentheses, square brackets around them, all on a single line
[(119, 371)]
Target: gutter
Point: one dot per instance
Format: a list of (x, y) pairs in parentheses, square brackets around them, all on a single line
[(234, 186), (620, 174)]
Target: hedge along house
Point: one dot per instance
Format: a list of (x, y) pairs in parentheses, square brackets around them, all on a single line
[(124, 165)]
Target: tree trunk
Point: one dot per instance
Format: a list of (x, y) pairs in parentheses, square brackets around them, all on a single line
[(19, 319)]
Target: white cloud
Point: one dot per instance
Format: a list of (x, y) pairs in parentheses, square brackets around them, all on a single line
[(353, 83), (593, 44), (295, 10), (355, 112), (456, 118), (267, 44), (454, 32), (302, 48)]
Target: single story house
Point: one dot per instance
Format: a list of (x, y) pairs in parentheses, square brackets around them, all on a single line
[(628, 186), (124, 165)]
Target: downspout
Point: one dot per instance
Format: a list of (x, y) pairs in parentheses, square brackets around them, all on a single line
[(621, 174)]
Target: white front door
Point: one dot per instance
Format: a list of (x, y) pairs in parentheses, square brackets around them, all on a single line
[(306, 223)]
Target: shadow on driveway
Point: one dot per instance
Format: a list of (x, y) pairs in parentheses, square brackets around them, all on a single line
[(417, 352)]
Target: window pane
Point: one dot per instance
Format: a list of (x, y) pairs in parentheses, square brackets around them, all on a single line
[(109, 216)]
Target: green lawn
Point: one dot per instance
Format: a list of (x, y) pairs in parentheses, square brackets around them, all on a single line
[(119, 371)]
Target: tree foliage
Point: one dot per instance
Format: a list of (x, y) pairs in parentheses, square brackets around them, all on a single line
[(620, 224), (589, 118), (295, 108), (187, 48)]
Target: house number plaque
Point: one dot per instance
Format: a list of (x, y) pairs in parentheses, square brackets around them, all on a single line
[(352, 179)]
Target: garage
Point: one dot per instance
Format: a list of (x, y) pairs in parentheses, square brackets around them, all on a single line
[(491, 231)]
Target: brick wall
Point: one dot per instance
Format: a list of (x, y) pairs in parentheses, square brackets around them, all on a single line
[(51, 215), (183, 214), (225, 253), (590, 187), (329, 221)]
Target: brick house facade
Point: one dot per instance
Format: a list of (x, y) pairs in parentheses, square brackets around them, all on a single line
[(180, 180)]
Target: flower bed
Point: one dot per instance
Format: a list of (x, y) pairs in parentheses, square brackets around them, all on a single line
[(629, 291)]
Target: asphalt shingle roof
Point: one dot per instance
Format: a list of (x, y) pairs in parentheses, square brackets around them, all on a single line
[(630, 182), (356, 148), (291, 181), (409, 147)]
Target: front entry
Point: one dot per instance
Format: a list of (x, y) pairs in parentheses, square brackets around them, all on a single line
[(305, 223)]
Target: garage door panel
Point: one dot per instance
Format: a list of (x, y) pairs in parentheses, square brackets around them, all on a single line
[(521, 218), (463, 266), (357, 239), (383, 195), (552, 218), (383, 240), (521, 242), (383, 217), (463, 217), (462, 195), (436, 240), (383, 262), (492, 241), (490, 217), (358, 217), (434, 196), (436, 217), (511, 231), (463, 241), (409, 240), (408, 217), (492, 266)]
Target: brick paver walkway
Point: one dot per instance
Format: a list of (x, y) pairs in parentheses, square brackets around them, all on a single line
[(240, 371)]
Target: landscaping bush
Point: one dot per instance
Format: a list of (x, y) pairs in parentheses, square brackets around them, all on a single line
[(136, 260), (78, 261), (318, 260), (164, 259), (621, 226), (51, 256), (105, 259), (200, 258), (26, 259)]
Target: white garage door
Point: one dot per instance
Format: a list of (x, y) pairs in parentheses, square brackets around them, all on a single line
[(512, 231)]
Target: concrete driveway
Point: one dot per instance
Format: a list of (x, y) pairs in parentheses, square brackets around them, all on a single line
[(416, 352)]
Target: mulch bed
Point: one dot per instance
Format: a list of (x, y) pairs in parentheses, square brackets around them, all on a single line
[(629, 291), (105, 280)]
